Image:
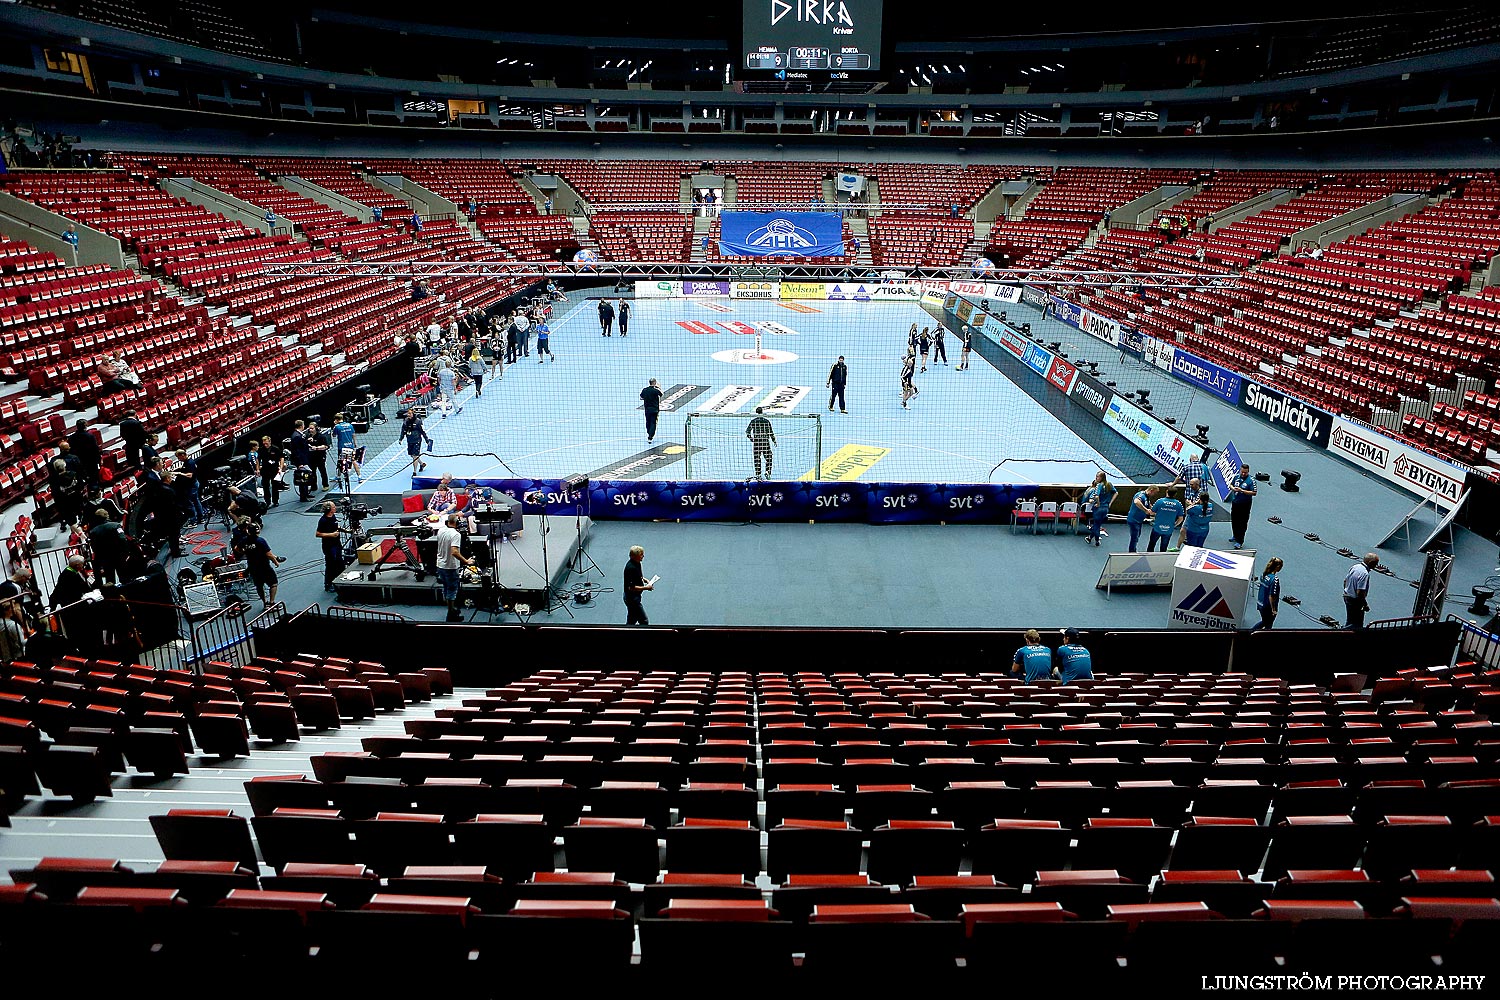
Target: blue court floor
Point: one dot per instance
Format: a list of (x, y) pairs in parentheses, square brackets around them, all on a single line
[(581, 413)]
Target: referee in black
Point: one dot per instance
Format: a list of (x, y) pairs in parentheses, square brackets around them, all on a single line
[(651, 403), (838, 377), (333, 550), (635, 585)]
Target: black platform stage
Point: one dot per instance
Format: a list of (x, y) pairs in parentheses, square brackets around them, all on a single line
[(524, 573)]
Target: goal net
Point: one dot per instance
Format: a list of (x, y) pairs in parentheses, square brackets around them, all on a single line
[(725, 446)]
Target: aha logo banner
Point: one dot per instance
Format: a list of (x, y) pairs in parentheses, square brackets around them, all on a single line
[(1061, 374), (658, 289)]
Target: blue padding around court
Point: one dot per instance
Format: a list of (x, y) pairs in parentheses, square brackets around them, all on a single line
[(859, 503)]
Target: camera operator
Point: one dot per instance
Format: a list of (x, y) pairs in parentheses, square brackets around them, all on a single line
[(449, 558), (333, 549), (261, 563)]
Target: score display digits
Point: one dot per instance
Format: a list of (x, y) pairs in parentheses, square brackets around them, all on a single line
[(789, 38)]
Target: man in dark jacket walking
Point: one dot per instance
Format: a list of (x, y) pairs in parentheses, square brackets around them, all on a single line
[(838, 377)]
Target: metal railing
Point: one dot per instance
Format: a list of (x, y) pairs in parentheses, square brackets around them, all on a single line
[(224, 636), (360, 614), (728, 271), (1476, 644)]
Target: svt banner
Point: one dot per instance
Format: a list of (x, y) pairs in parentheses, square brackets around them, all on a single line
[(781, 234)]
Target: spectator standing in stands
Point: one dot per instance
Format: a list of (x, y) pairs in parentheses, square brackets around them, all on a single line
[(1033, 661), (13, 632), (651, 404), (20, 588), (333, 549), (67, 490), (185, 483), (376, 215), (1268, 597), (1357, 590), (606, 317), (1167, 516), (635, 585), (1241, 495), (416, 225), (111, 546), (1140, 513), (544, 342), (70, 237), (547, 205), (270, 222), (706, 245), (1197, 518), (938, 351), (86, 450), (624, 312), (1074, 662), (72, 583), (272, 465), (1096, 501), (413, 433), (1106, 218), (838, 377)]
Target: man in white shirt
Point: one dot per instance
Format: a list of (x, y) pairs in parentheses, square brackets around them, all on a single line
[(434, 336), (450, 559), (1356, 589), (523, 335)]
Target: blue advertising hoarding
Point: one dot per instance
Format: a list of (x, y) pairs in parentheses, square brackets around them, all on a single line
[(781, 234), (1226, 466), (844, 502), (1207, 376)]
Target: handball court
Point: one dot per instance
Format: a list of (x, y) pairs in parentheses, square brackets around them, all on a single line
[(552, 419)]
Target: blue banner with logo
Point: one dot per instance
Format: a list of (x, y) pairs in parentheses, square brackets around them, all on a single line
[(536, 496), (1207, 376), (957, 503), (835, 502), (781, 234), (1226, 466)]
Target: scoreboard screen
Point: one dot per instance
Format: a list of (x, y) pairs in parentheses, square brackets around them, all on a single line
[(801, 39)]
